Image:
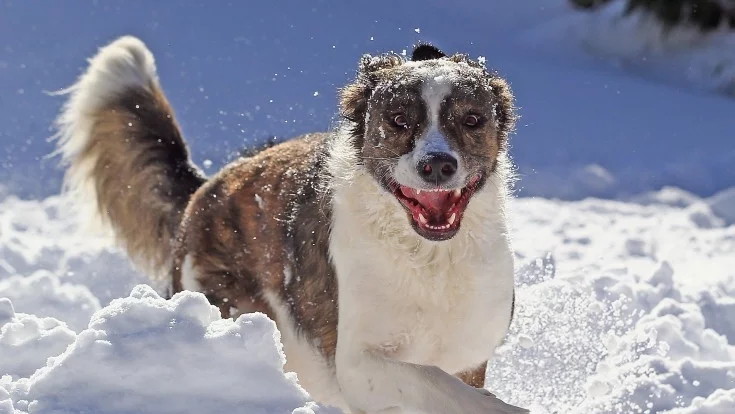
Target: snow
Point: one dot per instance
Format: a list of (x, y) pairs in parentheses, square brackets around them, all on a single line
[(43, 294), (143, 353), (723, 204), (621, 307), (631, 308), (176, 355), (26, 341)]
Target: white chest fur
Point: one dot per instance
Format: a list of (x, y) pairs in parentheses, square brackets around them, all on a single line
[(433, 303)]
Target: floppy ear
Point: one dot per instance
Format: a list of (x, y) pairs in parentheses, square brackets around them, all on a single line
[(353, 101), (426, 51), (354, 97), (505, 111)]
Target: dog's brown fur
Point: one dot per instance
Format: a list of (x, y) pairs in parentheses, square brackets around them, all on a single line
[(474, 377), (261, 225), (229, 224), (235, 224), (143, 198)]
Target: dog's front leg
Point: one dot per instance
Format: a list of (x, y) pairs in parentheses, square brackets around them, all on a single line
[(373, 383)]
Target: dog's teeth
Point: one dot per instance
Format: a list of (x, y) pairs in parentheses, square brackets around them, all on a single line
[(452, 218), (457, 192), (422, 219), (418, 191)]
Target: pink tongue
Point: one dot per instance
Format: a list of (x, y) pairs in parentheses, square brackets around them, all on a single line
[(433, 201)]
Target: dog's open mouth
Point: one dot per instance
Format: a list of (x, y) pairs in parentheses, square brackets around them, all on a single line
[(436, 213)]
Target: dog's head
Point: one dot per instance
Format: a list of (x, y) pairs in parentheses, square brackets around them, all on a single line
[(430, 131)]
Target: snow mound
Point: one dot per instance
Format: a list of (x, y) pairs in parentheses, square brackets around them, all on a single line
[(26, 341), (668, 358), (42, 294), (6, 404), (618, 343), (72, 274), (723, 205), (147, 354), (668, 196), (622, 307)]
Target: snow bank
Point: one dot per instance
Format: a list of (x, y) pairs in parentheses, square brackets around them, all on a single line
[(723, 204), (633, 311), (146, 354), (26, 341), (49, 268), (67, 345), (42, 294), (617, 343)]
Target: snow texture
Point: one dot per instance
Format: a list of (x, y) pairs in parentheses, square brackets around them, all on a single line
[(26, 341), (630, 310), (62, 352), (621, 307), (147, 354)]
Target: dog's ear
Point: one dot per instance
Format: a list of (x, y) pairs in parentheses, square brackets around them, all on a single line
[(505, 111), (353, 98), (353, 101), (426, 51)]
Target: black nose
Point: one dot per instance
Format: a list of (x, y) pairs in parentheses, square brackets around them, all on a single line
[(437, 167)]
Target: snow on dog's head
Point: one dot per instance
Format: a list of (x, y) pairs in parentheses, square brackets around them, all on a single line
[(431, 131)]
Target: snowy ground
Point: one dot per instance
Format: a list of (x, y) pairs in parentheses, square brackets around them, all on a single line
[(61, 351), (623, 307)]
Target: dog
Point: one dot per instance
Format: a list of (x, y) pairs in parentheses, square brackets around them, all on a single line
[(380, 249)]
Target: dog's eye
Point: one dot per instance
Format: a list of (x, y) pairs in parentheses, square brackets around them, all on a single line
[(472, 121), (399, 120)]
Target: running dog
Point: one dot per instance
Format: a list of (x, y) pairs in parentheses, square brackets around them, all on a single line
[(380, 249)]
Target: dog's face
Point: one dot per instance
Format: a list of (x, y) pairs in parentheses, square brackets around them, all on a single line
[(429, 130)]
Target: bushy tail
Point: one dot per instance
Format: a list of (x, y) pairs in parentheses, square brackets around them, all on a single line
[(125, 156)]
